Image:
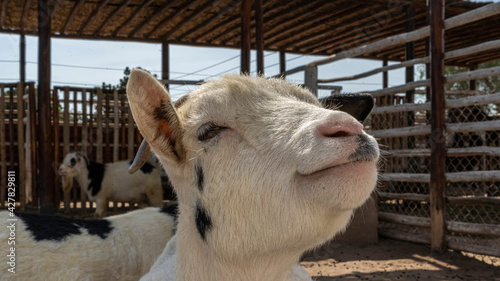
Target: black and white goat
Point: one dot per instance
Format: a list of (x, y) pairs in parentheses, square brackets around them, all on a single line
[(111, 182), (55, 248)]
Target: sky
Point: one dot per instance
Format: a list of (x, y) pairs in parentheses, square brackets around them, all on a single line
[(88, 63)]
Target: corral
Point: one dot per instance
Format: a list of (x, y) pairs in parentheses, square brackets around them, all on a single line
[(440, 179)]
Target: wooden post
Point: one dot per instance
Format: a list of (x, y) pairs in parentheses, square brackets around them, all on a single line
[(438, 128), (472, 83), (409, 142), (130, 136), (21, 163), (3, 149), (116, 126), (66, 122), (57, 148), (33, 142), (165, 62), (22, 51), (282, 62), (246, 6), (99, 126), (46, 183), (385, 75), (259, 36), (311, 79)]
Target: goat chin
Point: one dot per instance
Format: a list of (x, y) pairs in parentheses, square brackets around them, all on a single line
[(67, 183)]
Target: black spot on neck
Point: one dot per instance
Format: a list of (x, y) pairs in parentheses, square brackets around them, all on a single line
[(200, 176), (55, 228), (96, 174), (203, 221), (171, 209), (146, 168)]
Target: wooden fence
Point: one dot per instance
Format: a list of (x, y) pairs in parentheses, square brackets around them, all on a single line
[(94, 121), (401, 122)]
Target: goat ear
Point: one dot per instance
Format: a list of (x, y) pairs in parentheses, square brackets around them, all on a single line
[(155, 115), (357, 105)]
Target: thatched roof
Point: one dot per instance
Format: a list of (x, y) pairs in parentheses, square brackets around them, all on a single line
[(321, 27)]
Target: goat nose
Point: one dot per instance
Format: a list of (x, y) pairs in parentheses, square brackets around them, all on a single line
[(342, 128)]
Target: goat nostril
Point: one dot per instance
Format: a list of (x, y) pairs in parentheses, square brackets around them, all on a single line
[(339, 134)]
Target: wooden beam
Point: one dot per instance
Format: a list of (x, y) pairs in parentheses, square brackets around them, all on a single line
[(259, 36), (135, 15), (55, 7), (22, 55), (118, 11), (3, 12), (438, 127), (94, 15), (159, 13), (385, 75), (46, 186), (26, 10), (33, 143), (246, 10), (72, 15)]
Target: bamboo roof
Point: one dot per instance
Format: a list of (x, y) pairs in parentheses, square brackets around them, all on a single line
[(320, 27)]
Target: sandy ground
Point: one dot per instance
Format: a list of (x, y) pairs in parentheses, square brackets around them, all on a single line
[(397, 260)]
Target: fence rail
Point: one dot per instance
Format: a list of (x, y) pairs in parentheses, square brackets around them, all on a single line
[(471, 137)]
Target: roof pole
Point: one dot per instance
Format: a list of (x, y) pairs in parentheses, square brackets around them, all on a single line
[(46, 180), (259, 36), (246, 6), (165, 62)]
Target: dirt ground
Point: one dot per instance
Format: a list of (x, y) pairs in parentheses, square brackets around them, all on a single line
[(397, 260)]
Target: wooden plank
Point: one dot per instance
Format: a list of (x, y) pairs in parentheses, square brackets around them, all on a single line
[(394, 234), (85, 128), (134, 16), (107, 157), (426, 129), (57, 148), (109, 19), (72, 15), (45, 149), (20, 146), (75, 120), (83, 194), (470, 176), (311, 79), (245, 36), (131, 128), (99, 157), (3, 150), (96, 14), (123, 129), (66, 149), (455, 152), (24, 17), (403, 196), (477, 249), (116, 127), (33, 143), (282, 62), (11, 129), (155, 17), (451, 103), (474, 15), (3, 12), (471, 201), (165, 63)]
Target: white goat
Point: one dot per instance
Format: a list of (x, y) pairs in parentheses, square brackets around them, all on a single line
[(122, 247), (111, 182), (261, 171)]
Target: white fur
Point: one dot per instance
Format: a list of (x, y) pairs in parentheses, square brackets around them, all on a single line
[(136, 241), (117, 184), (278, 179)]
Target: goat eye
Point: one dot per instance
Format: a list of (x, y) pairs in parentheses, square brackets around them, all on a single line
[(209, 131), (73, 161)]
